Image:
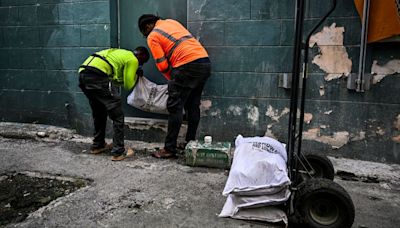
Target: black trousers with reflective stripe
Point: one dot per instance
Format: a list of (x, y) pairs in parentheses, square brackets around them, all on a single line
[(103, 103), (184, 92)]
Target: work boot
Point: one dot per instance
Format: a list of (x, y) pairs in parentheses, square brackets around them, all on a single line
[(163, 153), (106, 147), (129, 153)]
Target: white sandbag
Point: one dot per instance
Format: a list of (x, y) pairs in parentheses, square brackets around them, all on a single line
[(266, 214), (149, 97), (235, 202), (258, 167), (270, 214)]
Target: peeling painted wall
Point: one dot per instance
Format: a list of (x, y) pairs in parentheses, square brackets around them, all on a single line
[(333, 57), (396, 137), (252, 47), (250, 43), (336, 141), (379, 72)]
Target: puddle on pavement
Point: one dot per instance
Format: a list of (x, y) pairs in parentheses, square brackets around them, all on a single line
[(23, 193)]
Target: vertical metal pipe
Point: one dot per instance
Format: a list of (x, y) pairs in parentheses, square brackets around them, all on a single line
[(363, 46), (298, 37), (304, 82), (119, 24)]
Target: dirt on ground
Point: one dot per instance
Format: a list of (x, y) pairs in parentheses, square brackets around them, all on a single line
[(21, 194)]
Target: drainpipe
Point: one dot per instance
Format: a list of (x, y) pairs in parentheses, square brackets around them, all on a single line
[(363, 47), (118, 25)]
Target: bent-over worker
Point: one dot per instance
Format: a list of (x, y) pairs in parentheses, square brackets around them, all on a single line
[(100, 78)]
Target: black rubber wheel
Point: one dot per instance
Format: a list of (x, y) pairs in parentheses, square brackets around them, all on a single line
[(321, 167), (322, 203)]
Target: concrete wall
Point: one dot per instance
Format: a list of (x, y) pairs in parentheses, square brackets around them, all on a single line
[(251, 42), (42, 42)]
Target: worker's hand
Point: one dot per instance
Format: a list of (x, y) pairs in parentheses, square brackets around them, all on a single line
[(139, 72)]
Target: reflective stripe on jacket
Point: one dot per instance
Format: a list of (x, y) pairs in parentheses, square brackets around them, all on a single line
[(119, 64), (172, 46)]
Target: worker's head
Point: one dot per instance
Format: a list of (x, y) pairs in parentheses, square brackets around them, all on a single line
[(146, 23), (142, 54)]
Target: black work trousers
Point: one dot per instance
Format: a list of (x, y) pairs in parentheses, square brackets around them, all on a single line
[(184, 92), (105, 100)]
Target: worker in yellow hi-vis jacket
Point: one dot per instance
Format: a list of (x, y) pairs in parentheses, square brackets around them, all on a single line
[(100, 78)]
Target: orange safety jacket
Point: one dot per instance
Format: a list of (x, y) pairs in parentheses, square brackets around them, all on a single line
[(172, 46)]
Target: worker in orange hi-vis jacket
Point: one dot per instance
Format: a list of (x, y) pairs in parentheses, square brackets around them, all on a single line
[(185, 63)]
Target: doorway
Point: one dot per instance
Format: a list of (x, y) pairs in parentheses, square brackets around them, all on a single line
[(129, 36)]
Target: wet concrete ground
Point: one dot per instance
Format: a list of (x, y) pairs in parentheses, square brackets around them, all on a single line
[(146, 192)]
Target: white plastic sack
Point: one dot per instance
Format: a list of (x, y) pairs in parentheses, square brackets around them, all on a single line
[(270, 214), (258, 167), (259, 208), (236, 202), (149, 97)]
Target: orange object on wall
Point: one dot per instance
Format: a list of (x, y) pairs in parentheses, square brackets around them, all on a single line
[(384, 18)]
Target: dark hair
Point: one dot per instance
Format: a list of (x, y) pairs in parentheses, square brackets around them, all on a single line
[(142, 51), (146, 19)]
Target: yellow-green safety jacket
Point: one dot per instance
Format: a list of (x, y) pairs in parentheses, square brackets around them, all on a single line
[(119, 64)]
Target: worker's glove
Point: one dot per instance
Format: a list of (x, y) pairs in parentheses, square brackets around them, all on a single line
[(139, 72)]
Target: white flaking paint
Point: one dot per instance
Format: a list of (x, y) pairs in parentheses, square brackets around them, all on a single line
[(253, 114), (269, 133), (275, 116), (359, 137), (274, 113), (322, 91), (323, 126), (205, 105), (380, 72), (308, 117), (328, 112), (235, 110), (333, 59), (380, 131), (216, 113), (336, 141), (397, 123)]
